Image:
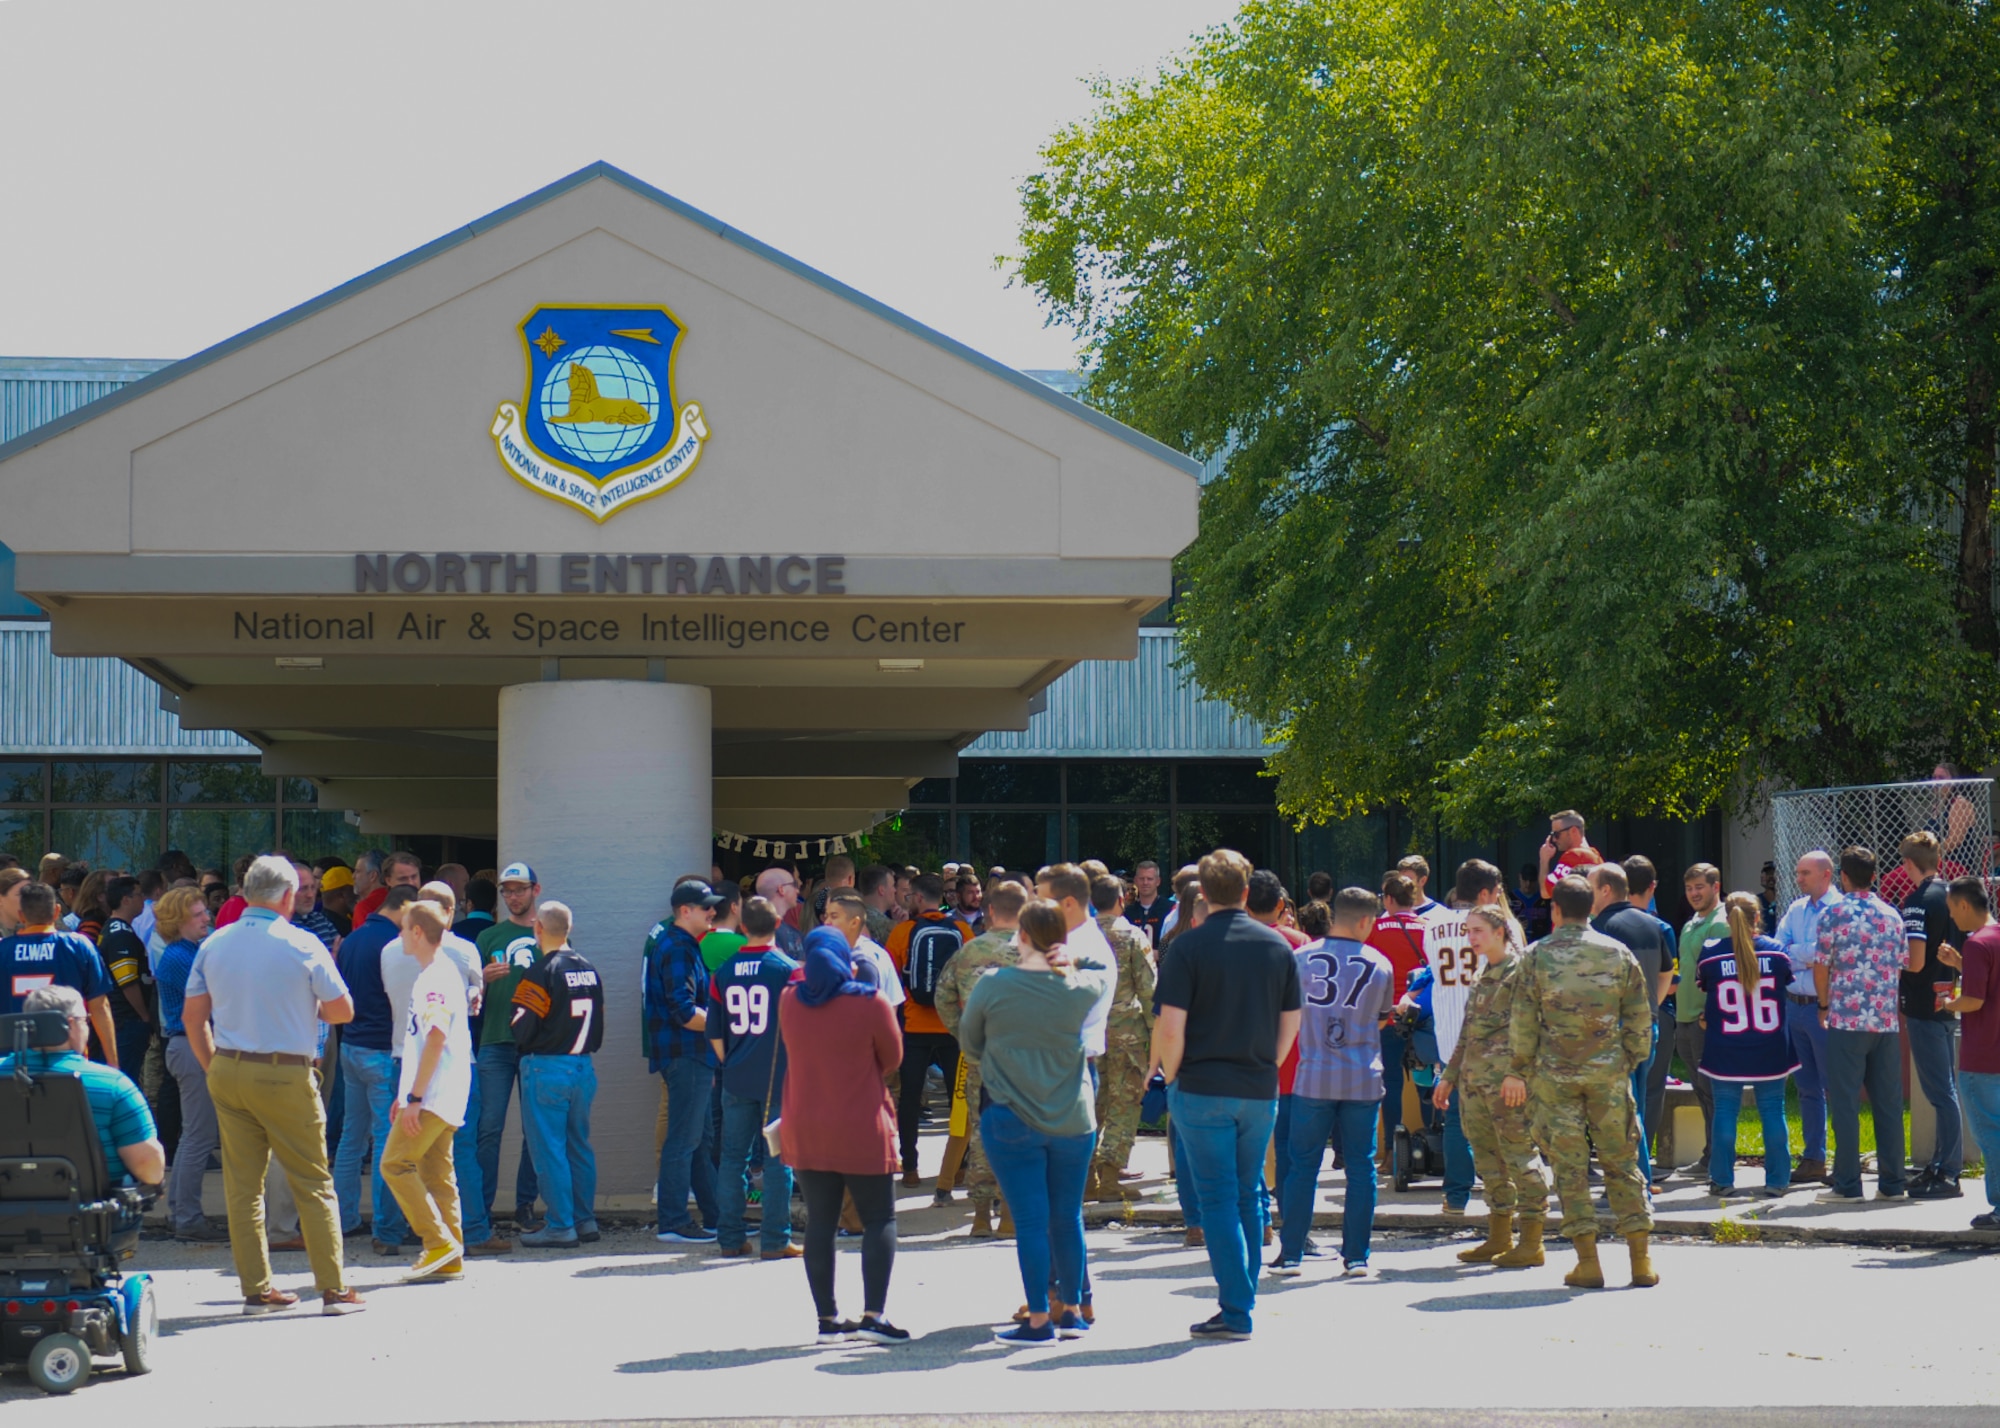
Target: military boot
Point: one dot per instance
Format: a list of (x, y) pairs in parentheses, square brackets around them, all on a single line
[(982, 1219), (1527, 1253), (1499, 1239), (1104, 1188), (1588, 1274), (1641, 1245)]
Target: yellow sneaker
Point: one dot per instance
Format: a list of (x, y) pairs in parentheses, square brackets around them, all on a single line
[(445, 1262)]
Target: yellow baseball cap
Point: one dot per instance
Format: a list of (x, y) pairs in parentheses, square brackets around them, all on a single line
[(336, 878)]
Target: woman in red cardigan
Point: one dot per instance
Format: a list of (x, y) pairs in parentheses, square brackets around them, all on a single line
[(838, 1129)]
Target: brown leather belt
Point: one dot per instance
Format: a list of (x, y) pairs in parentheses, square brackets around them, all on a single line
[(266, 1058)]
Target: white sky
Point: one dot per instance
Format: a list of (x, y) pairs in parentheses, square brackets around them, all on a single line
[(177, 172)]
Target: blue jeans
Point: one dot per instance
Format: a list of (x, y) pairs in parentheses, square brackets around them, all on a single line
[(1314, 1124), (478, 1220), (370, 1080), (743, 1121), (687, 1154), (1809, 1045), (1041, 1178), (499, 1068), (1458, 1172), (1777, 1134), (1224, 1137), (1931, 1053), (1183, 1176), (1981, 1090), (556, 1092), (1873, 1059), (1640, 1075)]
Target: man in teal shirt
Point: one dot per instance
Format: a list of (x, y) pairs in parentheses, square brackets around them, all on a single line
[(132, 1150), (1703, 886)]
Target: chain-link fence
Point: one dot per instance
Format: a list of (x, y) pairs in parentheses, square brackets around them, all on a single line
[(1879, 816)]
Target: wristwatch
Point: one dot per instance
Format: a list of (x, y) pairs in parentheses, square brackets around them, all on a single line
[(414, 1100)]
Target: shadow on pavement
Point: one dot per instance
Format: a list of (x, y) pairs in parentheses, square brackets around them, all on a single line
[(936, 1349), (1503, 1299), (1926, 1260), (1105, 1358), (726, 1358)]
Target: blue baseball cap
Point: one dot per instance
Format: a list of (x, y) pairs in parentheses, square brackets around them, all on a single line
[(517, 873)]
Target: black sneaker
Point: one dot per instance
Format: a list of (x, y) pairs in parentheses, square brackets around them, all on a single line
[(942, 1197), (1217, 1330), (204, 1232), (1988, 1221), (1940, 1188), (836, 1331), (881, 1331)]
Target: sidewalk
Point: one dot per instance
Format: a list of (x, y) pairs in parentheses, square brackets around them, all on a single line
[(1682, 1206)]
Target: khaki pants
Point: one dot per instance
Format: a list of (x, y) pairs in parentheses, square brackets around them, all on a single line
[(417, 1168), (264, 1111)]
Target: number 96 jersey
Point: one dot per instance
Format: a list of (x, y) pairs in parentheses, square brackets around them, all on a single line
[(1747, 1039), (743, 1016)]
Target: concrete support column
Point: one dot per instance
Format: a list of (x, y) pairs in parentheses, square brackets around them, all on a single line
[(605, 792)]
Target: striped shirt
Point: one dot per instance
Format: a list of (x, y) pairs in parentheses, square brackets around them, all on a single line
[(117, 1107), (1454, 967)]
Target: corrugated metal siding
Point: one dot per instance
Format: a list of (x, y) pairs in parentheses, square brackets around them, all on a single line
[(1129, 709), (87, 706), (78, 706), (34, 390)]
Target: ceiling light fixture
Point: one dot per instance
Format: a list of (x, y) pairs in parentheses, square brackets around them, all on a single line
[(899, 666), (301, 662)]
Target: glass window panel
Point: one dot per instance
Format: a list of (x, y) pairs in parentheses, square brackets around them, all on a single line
[(21, 835), (219, 781), (1203, 830), (1126, 782), (924, 839), (1120, 839), (126, 838), (1000, 781), (313, 834), (22, 780), (302, 791), (1353, 852), (1024, 839), (932, 790), (1226, 783), (102, 781), (216, 837)]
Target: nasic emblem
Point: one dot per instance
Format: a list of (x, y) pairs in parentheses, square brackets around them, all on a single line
[(599, 425)]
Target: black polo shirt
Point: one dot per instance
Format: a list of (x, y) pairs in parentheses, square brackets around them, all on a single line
[(1234, 978)]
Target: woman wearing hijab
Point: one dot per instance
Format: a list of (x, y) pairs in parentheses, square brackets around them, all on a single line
[(839, 1128)]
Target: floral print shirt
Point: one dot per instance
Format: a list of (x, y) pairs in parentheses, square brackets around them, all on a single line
[(1862, 942)]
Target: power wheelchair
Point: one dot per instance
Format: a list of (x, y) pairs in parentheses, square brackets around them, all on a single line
[(64, 1227)]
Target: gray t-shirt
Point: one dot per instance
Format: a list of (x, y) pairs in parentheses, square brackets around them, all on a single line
[(266, 979)]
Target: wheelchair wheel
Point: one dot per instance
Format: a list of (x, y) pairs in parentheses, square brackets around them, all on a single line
[(58, 1364), (1399, 1160), (137, 1341)]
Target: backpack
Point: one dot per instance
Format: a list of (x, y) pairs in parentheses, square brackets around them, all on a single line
[(932, 944)]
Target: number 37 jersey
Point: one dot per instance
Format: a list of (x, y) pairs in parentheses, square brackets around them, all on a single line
[(743, 1016), (1746, 1039)]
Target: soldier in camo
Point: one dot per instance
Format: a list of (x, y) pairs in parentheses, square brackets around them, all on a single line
[(1128, 1042), (1503, 1145), (1581, 1022), (991, 949)]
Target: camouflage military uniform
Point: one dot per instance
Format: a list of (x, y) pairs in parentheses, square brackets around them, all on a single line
[(1128, 1045), (967, 965), (1503, 1145), (880, 925), (1581, 1021)]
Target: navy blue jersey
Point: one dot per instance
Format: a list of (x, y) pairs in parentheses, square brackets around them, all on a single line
[(1746, 1038), (743, 1016), (49, 957)]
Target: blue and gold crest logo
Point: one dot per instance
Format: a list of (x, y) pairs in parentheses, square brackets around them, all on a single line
[(599, 426)]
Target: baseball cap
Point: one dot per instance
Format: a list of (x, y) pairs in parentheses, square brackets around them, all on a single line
[(517, 873), (336, 878), (695, 893)]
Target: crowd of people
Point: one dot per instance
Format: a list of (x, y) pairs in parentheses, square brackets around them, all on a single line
[(315, 1025)]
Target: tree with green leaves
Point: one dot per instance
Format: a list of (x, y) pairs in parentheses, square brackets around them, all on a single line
[(1605, 390)]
